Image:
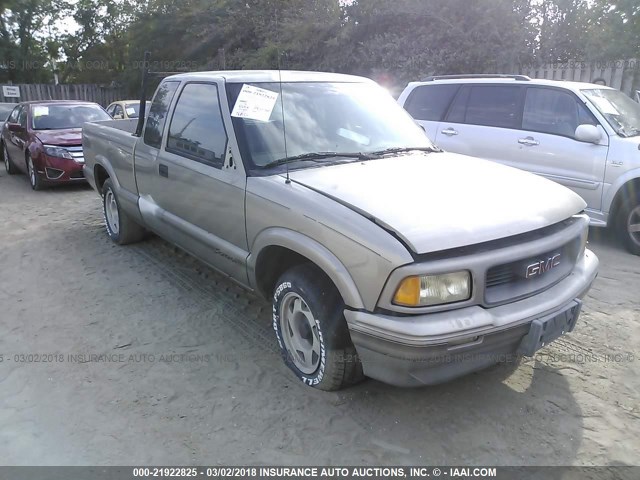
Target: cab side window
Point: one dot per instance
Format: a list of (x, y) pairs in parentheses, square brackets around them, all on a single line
[(197, 128), (555, 112), (430, 102), (158, 112), (111, 109), (118, 112)]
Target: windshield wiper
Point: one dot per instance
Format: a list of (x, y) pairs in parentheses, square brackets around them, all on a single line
[(389, 151), (315, 157)]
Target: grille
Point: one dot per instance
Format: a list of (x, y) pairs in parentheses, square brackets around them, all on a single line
[(77, 153), (77, 174), (509, 282)]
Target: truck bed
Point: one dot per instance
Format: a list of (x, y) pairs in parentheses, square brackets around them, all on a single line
[(111, 143)]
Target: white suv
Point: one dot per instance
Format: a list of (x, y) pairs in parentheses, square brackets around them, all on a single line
[(581, 135)]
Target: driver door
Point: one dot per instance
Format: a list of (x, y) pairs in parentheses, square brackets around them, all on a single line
[(547, 144)]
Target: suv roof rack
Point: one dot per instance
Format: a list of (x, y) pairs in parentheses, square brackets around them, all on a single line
[(521, 78)]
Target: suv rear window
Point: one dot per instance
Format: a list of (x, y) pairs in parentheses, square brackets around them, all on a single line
[(491, 106), (430, 102)]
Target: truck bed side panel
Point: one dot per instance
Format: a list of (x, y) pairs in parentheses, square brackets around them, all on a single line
[(111, 145)]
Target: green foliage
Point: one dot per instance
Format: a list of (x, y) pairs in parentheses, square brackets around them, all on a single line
[(391, 41)]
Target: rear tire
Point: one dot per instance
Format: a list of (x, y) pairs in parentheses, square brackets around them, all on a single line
[(311, 330), (8, 164), (121, 228), (628, 224)]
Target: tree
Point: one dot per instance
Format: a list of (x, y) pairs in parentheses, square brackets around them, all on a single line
[(25, 28)]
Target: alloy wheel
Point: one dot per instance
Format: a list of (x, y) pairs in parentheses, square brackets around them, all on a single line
[(633, 225), (300, 333), (32, 172), (111, 212)]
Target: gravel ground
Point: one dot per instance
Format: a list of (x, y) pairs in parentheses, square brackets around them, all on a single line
[(142, 355)]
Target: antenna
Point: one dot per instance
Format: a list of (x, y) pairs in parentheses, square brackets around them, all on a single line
[(284, 124)]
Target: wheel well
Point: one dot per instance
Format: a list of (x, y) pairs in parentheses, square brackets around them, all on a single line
[(101, 176), (631, 189), (272, 262)]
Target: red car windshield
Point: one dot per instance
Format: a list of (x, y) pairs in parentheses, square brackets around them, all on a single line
[(62, 117)]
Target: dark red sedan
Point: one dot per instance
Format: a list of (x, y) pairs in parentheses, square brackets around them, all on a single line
[(44, 140)]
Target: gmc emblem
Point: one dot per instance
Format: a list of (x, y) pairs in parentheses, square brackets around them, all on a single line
[(543, 266)]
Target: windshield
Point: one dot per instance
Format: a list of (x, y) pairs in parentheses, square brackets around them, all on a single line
[(58, 117), (5, 110), (622, 113), (318, 117)]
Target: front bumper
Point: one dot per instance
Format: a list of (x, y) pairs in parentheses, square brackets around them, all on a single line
[(60, 170), (433, 348)]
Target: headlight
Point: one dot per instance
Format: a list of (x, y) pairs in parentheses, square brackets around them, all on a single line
[(59, 152), (428, 290)]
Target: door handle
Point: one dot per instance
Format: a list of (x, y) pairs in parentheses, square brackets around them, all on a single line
[(450, 132), (163, 170), (529, 141)]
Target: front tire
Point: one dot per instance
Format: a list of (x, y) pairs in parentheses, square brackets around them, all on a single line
[(8, 165), (34, 179), (311, 330), (628, 225), (121, 228)]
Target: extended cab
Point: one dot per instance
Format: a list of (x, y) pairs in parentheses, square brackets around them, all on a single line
[(382, 256)]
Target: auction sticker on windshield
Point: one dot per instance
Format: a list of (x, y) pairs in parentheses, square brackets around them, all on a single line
[(40, 111), (255, 103)]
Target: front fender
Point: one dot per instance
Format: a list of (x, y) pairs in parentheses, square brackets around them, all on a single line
[(315, 252), (615, 188)]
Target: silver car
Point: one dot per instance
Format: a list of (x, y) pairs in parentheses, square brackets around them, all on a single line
[(381, 255), (583, 136)]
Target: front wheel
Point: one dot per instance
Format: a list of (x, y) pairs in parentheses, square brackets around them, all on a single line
[(121, 228), (629, 224), (312, 333), (34, 179)]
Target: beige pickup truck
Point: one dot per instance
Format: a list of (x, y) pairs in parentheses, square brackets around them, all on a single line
[(382, 255)]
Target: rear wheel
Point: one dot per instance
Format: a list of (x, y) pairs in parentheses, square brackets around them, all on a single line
[(629, 224), (121, 228), (309, 323), (9, 167), (34, 179)]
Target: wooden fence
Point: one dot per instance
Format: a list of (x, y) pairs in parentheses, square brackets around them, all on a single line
[(92, 93), (621, 74)]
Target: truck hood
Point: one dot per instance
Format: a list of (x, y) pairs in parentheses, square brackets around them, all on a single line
[(438, 201), (71, 136)]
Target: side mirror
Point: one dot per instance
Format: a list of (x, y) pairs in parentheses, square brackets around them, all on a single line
[(118, 116), (588, 134), (14, 127)]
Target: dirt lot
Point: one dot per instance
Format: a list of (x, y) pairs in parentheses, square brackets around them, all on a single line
[(188, 371)]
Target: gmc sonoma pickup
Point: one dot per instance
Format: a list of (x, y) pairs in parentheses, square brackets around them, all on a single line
[(382, 256)]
